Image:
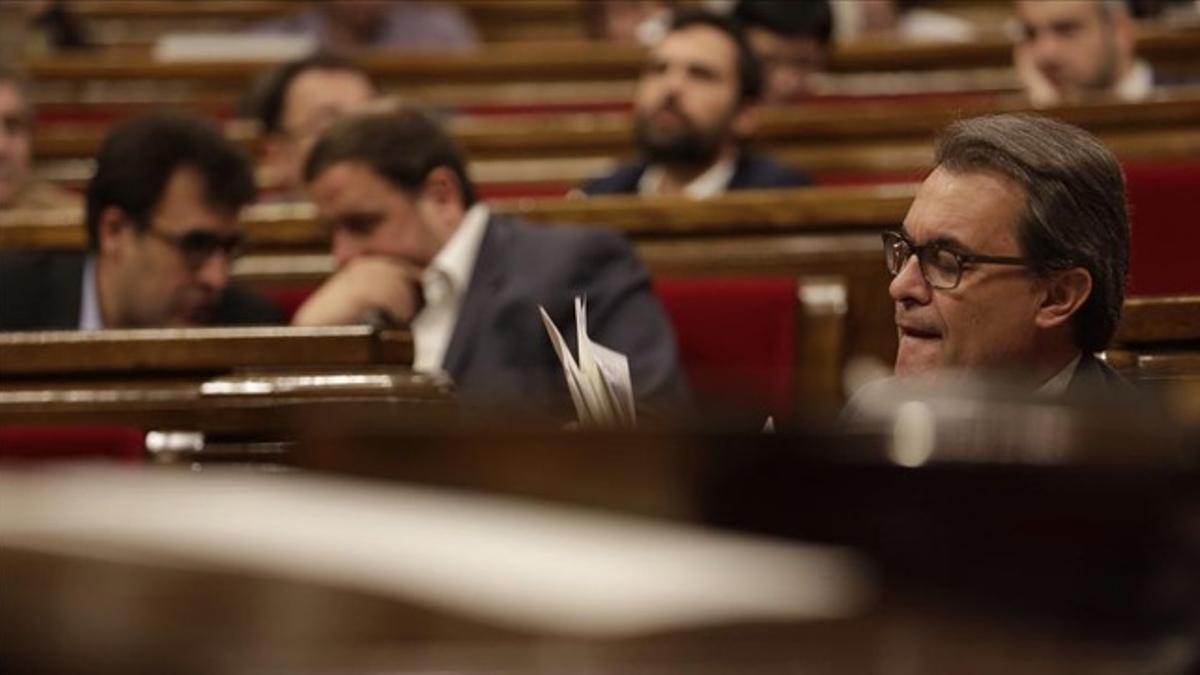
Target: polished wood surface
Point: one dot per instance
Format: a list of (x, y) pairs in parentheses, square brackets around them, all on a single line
[(813, 210), (835, 138), (1160, 319), (197, 349)]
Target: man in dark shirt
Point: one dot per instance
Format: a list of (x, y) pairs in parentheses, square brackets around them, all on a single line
[(163, 229), (693, 109)]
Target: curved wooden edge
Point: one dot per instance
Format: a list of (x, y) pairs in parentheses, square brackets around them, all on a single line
[(1173, 319), (197, 349), (584, 60), (292, 226)]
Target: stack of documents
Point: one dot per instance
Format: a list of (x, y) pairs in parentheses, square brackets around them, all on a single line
[(599, 381)]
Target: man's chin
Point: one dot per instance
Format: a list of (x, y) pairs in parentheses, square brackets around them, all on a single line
[(918, 356)]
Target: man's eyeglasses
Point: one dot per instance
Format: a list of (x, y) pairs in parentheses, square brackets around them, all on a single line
[(198, 247), (940, 266)]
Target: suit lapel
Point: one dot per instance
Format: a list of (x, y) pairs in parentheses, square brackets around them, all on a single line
[(486, 280)]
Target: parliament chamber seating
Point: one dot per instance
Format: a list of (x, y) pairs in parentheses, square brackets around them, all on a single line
[(41, 443), (1164, 205)]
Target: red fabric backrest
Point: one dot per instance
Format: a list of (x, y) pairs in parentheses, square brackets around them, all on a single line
[(288, 300), (1164, 205), (43, 443), (737, 339)]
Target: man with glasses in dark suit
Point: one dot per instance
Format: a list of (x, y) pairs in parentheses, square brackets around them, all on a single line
[(163, 229), (1012, 259)]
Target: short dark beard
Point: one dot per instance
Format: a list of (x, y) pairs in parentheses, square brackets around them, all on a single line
[(688, 149)]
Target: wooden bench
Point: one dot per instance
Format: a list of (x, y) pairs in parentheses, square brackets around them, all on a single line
[(542, 156), (242, 385), (130, 23), (1158, 340)]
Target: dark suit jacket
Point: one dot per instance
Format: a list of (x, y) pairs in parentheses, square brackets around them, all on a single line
[(753, 172), (42, 290), (1093, 378), (500, 355)]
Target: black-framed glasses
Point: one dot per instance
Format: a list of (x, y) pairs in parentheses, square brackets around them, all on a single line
[(941, 267), (198, 246)]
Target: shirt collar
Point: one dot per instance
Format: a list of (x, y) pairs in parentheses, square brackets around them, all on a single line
[(90, 317), (455, 262), (1057, 385), (714, 181), (1138, 83)]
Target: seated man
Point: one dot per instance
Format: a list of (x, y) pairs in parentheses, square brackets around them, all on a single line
[(162, 221), (412, 242), (693, 110), (1012, 259), (792, 40), (394, 25), (297, 102), (1068, 50), (17, 188)]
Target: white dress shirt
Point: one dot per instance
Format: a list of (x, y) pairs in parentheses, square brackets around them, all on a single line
[(711, 183), (444, 284), (1137, 85), (90, 317)]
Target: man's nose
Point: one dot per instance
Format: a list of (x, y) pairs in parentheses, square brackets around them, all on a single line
[(910, 285), (214, 273)]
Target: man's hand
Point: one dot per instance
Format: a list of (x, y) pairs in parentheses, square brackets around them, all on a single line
[(364, 286), (1041, 91)]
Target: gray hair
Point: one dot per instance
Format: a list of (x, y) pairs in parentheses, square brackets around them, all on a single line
[(1075, 213)]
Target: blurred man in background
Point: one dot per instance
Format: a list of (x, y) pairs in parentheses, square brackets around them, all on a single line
[(163, 229), (694, 109), (347, 25), (1069, 50), (792, 41), (18, 189), (298, 101)]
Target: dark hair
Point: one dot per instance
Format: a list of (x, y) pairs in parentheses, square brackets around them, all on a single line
[(750, 79), (1075, 213), (269, 95), (402, 144), (139, 157), (808, 19)]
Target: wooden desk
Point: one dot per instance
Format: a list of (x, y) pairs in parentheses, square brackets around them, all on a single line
[(242, 383)]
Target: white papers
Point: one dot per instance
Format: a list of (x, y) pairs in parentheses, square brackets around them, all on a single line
[(599, 381)]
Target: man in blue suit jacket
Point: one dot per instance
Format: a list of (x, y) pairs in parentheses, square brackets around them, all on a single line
[(693, 109), (412, 243)]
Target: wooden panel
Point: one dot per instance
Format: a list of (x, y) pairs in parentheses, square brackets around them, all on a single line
[(1160, 319), (583, 60), (196, 349), (243, 405), (292, 226)]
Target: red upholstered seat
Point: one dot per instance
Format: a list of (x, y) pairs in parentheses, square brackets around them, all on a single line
[(1164, 203), (43, 443), (289, 299), (737, 341)]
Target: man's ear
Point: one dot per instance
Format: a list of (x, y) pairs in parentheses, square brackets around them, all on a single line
[(1124, 35), (1066, 291), (443, 188), (113, 224), (745, 121)]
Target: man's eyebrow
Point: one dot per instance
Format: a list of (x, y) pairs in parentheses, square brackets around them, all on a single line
[(945, 241)]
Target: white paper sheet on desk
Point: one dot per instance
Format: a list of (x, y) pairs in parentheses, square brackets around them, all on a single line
[(599, 383)]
